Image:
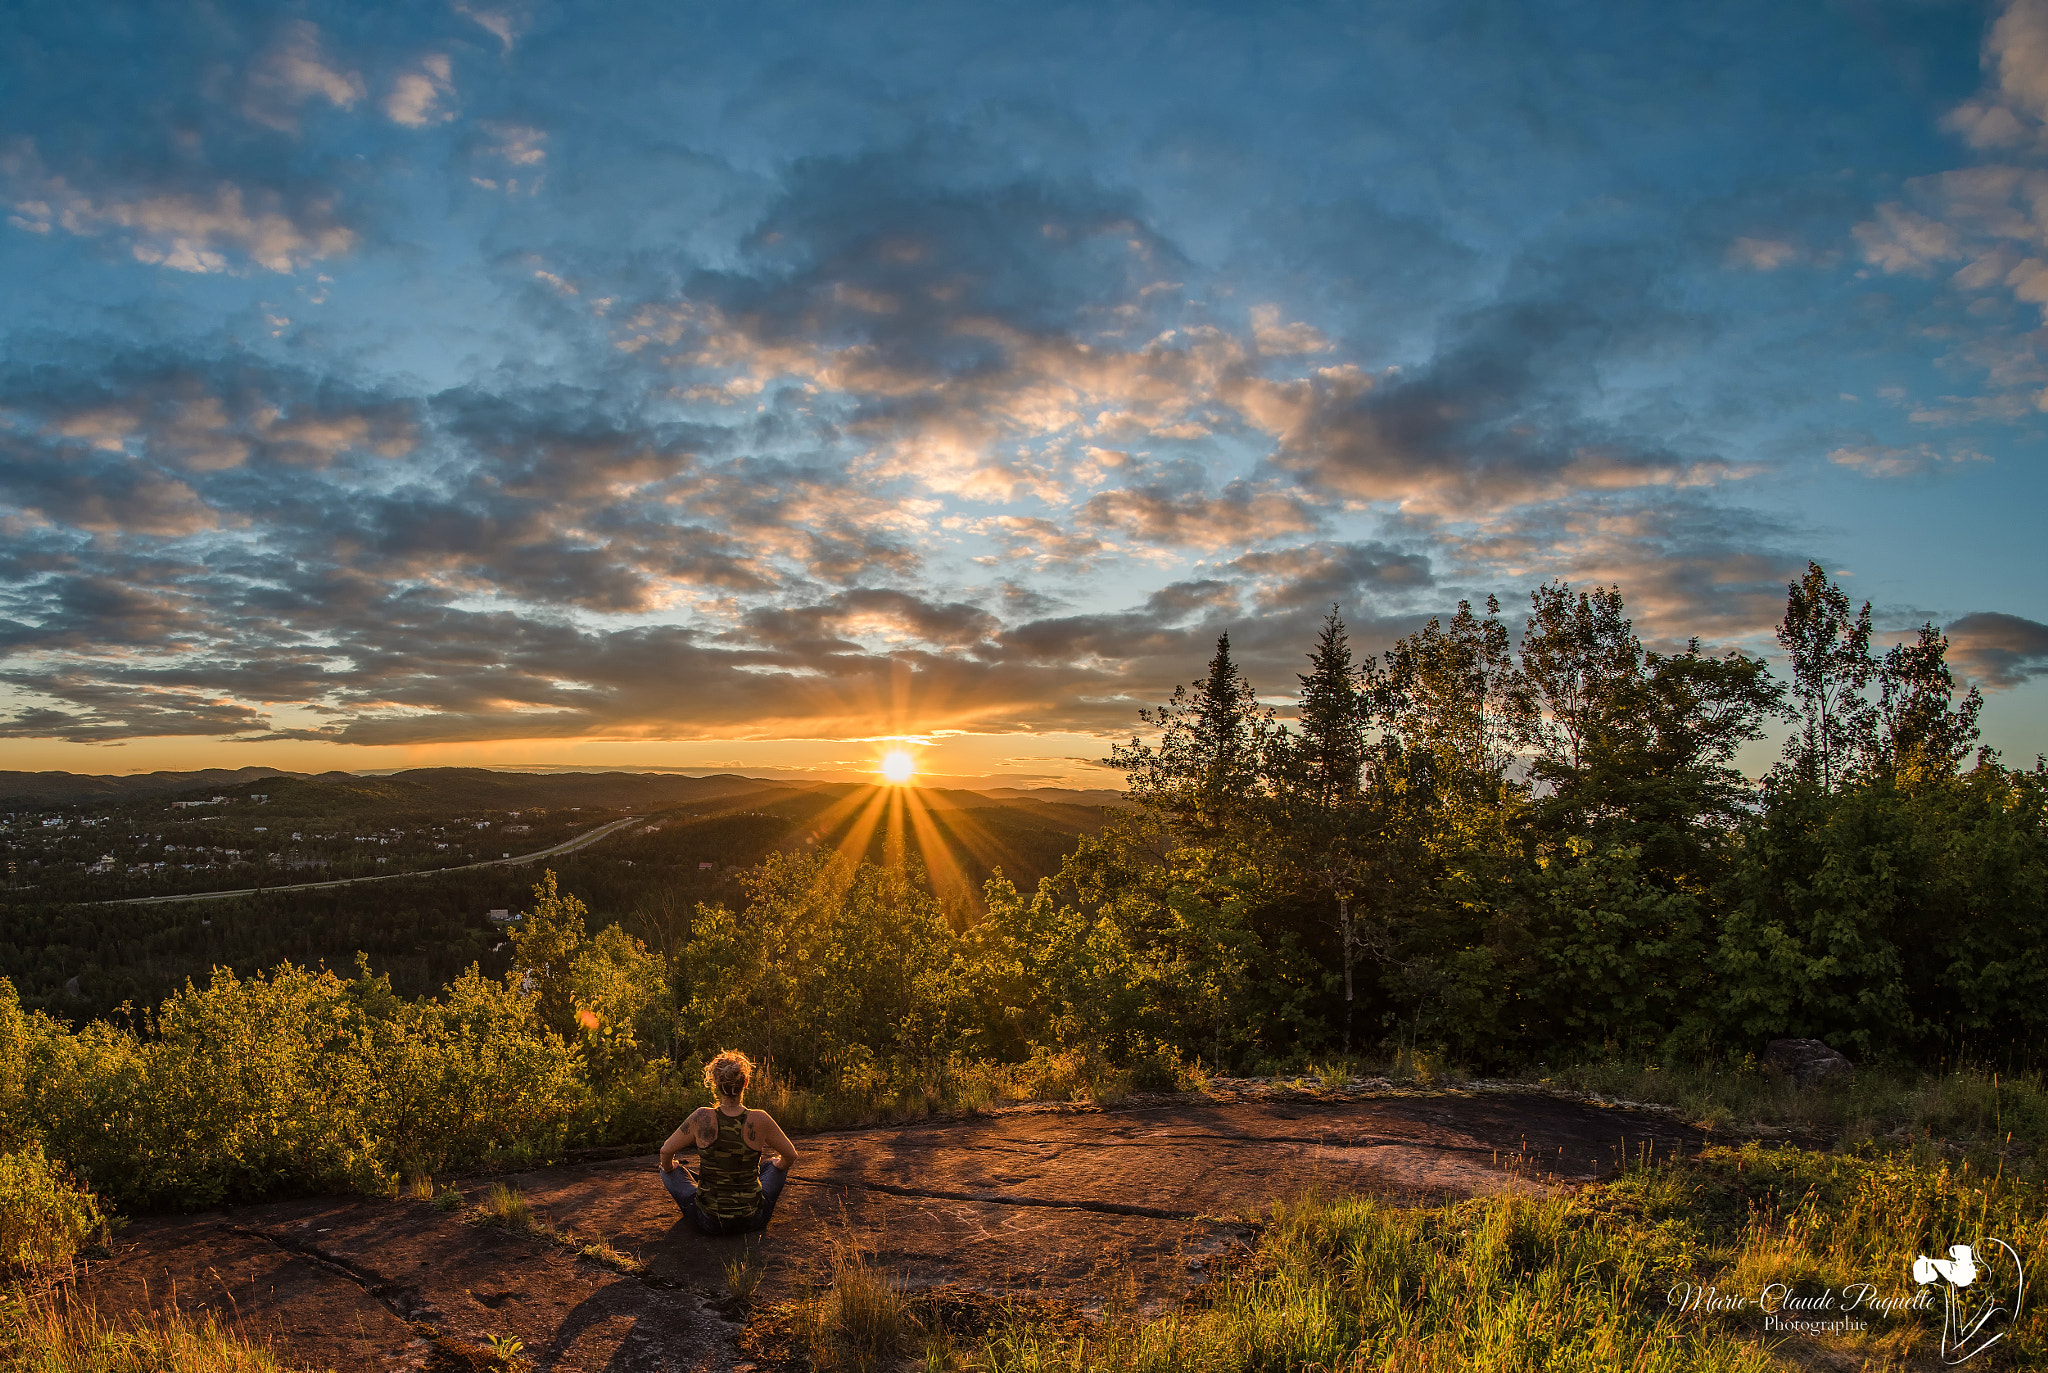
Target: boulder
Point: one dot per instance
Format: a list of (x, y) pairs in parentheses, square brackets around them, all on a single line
[(1807, 1061)]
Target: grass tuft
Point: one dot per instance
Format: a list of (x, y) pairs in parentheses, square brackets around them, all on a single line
[(863, 1321), (505, 1206), (743, 1274)]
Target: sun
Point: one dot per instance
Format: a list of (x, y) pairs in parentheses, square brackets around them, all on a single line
[(898, 766)]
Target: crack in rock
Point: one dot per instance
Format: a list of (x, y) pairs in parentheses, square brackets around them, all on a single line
[(412, 1312), (1107, 1208)]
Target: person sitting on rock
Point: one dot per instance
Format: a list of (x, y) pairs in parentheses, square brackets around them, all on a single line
[(734, 1190)]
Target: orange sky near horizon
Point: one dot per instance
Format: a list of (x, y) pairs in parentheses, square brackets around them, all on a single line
[(944, 759)]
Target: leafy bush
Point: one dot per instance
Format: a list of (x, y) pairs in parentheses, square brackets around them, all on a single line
[(293, 1081), (45, 1218)]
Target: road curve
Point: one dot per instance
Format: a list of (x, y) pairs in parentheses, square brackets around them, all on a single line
[(569, 846)]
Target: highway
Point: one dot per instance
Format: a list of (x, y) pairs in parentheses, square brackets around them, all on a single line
[(569, 846)]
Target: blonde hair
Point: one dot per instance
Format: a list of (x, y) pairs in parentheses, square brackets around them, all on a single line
[(729, 1073)]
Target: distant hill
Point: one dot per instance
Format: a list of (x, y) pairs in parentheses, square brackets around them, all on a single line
[(482, 789), (65, 788)]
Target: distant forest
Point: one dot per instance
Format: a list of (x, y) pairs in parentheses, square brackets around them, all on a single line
[(692, 841)]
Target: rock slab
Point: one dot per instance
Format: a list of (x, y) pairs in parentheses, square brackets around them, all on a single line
[(1808, 1061), (1078, 1207)]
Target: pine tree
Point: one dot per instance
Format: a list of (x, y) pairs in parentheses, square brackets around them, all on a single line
[(1330, 757), (1208, 768)]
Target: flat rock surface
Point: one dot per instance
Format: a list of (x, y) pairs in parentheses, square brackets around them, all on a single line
[(1075, 1205)]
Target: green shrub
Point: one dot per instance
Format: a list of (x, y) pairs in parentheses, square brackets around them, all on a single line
[(45, 1218)]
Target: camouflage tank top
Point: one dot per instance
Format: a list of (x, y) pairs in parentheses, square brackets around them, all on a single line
[(728, 1172)]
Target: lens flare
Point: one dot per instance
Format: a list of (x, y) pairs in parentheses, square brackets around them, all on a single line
[(898, 766)]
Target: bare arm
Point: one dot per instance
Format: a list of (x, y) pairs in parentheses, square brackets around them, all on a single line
[(768, 1138), (691, 1134)]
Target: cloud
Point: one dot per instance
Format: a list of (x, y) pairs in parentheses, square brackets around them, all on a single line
[(1045, 543), (86, 489), (501, 22), (1999, 650), (1179, 600), (1878, 460), (521, 149), (1686, 566), (2017, 47), (293, 70), (101, 712), (1175, 512), (421, 97), (1495, 416), (881, 616), (1986, 225), (201, 231), (1315, 576), (1763, 254), (1275, 338)]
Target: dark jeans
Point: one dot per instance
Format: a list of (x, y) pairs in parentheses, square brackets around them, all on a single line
[(683, 1188)]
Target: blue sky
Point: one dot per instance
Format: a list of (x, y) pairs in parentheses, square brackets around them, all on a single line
[(728, 386)]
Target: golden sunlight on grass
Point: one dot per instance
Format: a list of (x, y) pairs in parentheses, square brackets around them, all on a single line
[(898, 767)]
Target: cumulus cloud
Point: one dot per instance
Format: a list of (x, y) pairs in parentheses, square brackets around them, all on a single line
[(216, 229), (512, 158), (1493, 417), (422, 96), (1999, 650), (1686, 566), (293, 70), (1763, 254), (1315, 576), (1176, 512), (1985, 226)]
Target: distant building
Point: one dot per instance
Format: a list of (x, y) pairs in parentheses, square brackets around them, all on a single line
[(502, 917), (705, 867)]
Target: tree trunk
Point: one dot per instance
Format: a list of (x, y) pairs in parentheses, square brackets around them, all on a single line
[(1344, 921)]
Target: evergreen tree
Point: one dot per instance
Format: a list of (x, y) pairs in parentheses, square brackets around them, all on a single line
[(1207, 774), (1335, 713)]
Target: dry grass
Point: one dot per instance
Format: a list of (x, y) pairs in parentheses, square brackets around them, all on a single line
[(508, 1208), (602, 1252), (862, 1321), (45, 1333), (743, 1274)]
